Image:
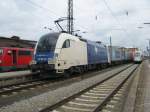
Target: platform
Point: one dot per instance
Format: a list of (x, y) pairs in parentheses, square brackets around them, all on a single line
[(143, 93), (14, 74)]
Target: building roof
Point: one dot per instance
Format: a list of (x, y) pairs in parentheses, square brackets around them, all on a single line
[(15, 41)]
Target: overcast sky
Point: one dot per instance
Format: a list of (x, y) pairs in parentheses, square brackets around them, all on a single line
[(99, 18)]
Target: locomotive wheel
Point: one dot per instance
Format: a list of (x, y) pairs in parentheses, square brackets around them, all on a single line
[(71, 71), (32, 70), (66, 74)]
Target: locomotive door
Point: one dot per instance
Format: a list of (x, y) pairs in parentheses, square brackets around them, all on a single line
[(14, 57)]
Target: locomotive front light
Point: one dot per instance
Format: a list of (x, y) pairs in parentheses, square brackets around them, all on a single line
[(33, 62), (56, 55), (0, 61), (51, 61)]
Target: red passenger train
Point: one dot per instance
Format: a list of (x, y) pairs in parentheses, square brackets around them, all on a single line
[(12, 58)]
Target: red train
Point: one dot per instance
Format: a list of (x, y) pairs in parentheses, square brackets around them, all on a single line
[(12, 58)]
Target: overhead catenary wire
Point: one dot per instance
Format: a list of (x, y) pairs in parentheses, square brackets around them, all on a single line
[(110, 10), (56, 15), (48, 10), (51, 12), (41, 7), (53, 18)]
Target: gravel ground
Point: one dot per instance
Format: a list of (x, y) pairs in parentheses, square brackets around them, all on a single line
[(142, 103), (132, 91), (14, 74), (39, 102)]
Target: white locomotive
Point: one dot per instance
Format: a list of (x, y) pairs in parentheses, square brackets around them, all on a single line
[(138, 57)]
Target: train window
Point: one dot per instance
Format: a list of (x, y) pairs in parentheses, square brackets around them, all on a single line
[(47, 42), (66, 44), (137, 54), (1, 51), (26, 53), (9, 52)]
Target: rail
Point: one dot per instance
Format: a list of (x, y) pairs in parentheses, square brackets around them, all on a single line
[(100, 104)]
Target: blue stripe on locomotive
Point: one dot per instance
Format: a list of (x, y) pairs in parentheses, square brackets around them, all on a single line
[(97, 53), (44, 56)]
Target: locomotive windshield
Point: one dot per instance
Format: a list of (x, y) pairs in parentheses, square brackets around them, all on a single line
[(47, 42), (1, 51), (137, 54)]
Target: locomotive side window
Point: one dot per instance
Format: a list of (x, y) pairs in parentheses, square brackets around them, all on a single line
[(9, 52), (66, 44), (24, 53), (1, 51)]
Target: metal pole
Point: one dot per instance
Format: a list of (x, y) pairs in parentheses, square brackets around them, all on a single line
[(149, 48), (110, 41), (70, 17), (110, 49)]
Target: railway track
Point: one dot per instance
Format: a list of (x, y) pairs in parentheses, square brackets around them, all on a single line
[(99, 97), (21, 86), (7, 80), (8, 90)]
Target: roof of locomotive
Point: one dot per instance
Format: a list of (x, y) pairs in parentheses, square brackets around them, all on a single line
[(95, 43)]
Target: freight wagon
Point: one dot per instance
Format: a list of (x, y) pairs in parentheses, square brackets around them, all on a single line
[(131, 53), (115, 54), (125, 55)]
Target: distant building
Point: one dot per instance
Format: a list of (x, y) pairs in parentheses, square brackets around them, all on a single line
[(16, 41)]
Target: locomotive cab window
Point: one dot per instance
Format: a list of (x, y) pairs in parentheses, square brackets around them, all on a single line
[(47, 42), (137, 54), (1, 51), (24, 53), (66, 44)]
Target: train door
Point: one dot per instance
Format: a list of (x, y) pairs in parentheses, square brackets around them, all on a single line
[(14, 57)]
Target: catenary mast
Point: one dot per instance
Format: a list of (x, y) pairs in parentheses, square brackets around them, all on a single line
[(70, 23)]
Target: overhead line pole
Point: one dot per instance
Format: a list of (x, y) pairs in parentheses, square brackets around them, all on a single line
[(70, 23), (149, 47), (110, 49)]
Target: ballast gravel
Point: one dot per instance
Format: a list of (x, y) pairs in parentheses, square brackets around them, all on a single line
[(42, 101), (14, 74)]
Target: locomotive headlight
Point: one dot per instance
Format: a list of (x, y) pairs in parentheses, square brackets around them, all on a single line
[(0, 61), (56, 55), (33, 62), (51, 61)]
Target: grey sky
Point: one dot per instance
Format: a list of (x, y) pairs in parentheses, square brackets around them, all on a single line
[(27, 18)]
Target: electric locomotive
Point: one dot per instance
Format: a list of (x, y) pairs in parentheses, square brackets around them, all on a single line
[(62, 52), (138, 57)]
